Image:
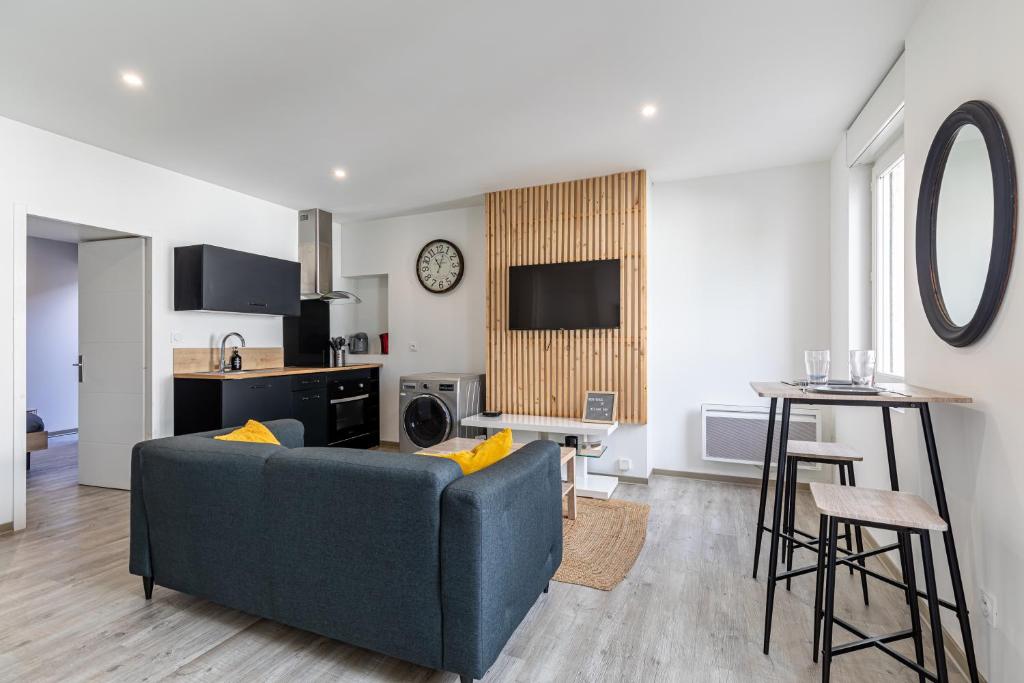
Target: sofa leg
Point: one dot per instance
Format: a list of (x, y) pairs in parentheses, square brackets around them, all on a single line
[(28, 461), (547, 587), (147, 586), (463, 678)]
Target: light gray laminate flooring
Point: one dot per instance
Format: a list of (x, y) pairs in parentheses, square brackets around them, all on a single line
[(688, 611)]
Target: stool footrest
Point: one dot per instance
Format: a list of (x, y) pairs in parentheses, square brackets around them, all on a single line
[(880, 643), (871, 641)]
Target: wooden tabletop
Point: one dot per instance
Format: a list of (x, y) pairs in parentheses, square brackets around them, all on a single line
[(540, 423), (896, 392), (270, 372), (465, 444)]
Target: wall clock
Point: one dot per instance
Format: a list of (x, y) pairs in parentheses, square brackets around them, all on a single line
[(439, 266)]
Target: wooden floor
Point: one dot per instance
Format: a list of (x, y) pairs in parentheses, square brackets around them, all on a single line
[(688, 611)]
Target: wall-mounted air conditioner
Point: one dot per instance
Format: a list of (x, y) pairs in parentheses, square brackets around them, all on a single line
[(737, 433)]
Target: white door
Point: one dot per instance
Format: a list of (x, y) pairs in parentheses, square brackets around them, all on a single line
[(112, 346)]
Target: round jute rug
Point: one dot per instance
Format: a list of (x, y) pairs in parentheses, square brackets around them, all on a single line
[(602, 543)]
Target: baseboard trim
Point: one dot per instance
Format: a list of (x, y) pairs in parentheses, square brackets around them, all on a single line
[(953, 648), (64, 432), (721, 478), (6, 528), (625, 479)]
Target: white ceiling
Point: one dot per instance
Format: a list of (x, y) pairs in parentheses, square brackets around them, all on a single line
[(432, 102)]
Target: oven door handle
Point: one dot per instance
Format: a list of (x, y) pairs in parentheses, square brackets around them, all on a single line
[(360, 397)]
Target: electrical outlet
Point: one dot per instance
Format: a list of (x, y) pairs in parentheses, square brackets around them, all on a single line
[(413, 346), (625, 464), (989, 608)]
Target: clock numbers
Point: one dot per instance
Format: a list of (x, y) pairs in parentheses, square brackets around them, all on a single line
[(439, 266)]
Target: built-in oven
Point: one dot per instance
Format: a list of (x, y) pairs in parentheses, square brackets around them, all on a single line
[(353, 418)]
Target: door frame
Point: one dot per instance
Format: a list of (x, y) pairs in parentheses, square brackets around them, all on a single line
[(19, 366)]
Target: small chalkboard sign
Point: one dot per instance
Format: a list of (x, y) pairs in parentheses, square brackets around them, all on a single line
[(600, 406)]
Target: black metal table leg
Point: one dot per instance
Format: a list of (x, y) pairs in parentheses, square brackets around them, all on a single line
[(773, 553), (915, 611), (894, 479), (954, 564), (790, 515), (860, 544), (819, 583), (764, 484), (830, 600), (933, 611), (848, 530)]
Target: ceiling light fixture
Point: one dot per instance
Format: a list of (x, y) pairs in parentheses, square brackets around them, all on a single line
[(339, 173), (132, 79), (649, 110)]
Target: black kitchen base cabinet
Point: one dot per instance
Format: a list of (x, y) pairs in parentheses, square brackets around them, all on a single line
[(309, 407), (336, 409), (208, 278), (204, 404)]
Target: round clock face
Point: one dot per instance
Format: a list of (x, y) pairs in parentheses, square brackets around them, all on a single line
[(439, 266)]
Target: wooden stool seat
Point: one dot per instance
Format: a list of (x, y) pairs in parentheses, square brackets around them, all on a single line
[(892, 508), (822, 451)]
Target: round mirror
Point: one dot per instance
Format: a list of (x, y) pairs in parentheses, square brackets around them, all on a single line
[(966, 223), (963, 228)]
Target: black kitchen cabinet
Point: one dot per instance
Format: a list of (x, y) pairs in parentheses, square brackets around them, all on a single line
[(204, 404), (310, 408), (340, 408), (209, 278), (267, 398)]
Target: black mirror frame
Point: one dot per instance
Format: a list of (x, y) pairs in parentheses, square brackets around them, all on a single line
[(1004, 227)]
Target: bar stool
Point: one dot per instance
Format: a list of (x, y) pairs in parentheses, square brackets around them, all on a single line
[(904, 513), (843, 457)]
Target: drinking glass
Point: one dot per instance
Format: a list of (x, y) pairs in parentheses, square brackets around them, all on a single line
[(862, 367), (817, 363)]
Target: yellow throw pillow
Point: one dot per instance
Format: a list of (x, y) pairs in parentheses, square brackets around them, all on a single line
[(486, 454), (252, 432)]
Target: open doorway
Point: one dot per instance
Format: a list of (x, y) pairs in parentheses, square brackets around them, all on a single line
[(87, 352)]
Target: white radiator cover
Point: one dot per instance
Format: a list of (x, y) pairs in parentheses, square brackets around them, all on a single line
[(737, 433)]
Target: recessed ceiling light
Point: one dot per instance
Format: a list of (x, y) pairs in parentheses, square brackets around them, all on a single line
[(339, 173), (132, 79), (649, 110)]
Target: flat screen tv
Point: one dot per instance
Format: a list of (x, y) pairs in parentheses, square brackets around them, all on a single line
[(578, 295)]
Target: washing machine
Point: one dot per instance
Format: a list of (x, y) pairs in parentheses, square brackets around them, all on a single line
[(431, 405)]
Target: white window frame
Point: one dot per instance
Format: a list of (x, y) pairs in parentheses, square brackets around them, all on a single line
[(887, 292)]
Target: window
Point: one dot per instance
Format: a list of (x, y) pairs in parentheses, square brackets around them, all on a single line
[(887, 267)]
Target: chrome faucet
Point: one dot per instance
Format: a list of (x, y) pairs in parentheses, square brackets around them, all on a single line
[(223, 343)]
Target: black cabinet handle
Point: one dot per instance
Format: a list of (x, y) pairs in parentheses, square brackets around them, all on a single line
[(257, 304), (311, 398), (260, 386)]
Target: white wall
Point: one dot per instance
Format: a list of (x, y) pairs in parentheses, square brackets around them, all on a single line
[(956, 52), (369, 316), (448, 328), (737, 289), (52, 328), (59, 178)]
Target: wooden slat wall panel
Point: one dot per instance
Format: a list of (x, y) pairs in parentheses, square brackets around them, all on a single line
[(548, 372)]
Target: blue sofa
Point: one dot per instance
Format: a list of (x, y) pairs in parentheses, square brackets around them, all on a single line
[(400, 554)]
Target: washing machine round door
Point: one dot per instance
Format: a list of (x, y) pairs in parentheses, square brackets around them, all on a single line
[(427, 420)]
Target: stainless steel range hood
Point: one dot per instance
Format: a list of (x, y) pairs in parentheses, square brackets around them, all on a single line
[(316, 245)]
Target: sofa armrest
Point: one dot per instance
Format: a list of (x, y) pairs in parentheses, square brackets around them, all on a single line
[(501, 542)]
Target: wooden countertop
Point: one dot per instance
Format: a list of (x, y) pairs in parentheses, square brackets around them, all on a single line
[(895, 392), (270, 372)]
